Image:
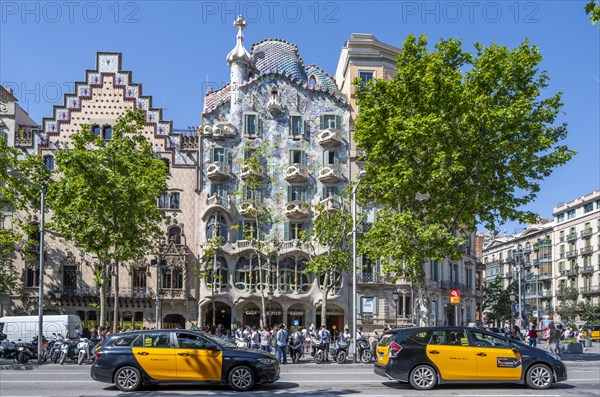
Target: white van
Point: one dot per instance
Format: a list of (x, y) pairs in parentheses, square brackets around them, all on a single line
[(26, 327)]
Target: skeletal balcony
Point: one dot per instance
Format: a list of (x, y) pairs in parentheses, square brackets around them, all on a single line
[(219, 131), (296, 173), (296, 209), (330, 174), (251, 172), (218, 171), (250, 209), (330, 137)]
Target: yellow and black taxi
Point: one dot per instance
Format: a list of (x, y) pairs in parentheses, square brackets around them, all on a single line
[(133, 359), (426, 357)]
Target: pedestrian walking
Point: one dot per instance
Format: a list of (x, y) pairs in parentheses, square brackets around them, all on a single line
[(282, 337), (254, 339), (581, 337), (532, 336), (554, 339)]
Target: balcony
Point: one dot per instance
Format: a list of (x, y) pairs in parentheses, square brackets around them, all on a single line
[(586, 269), (296, 209), (571, 254), (546, 294), (246, 244), (568, 272), (545, 258), (24, 138), (250, 209), (590, 290), (218, 171), (545, 243), (571, 236), (586, 250), (330, 174), (527, 250), (545, 276), (330, 137), (251, 173), (586, 232), (219, 131), (217, 199), (296, 173), (448, 285), (368, 278), (188, 143)]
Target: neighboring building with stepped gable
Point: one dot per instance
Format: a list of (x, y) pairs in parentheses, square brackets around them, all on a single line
[(299, 116), (105, 94)]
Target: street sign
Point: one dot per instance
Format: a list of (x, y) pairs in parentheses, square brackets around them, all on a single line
[(454, 296)]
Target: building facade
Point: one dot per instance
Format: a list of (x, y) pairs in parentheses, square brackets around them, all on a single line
[(551, 257)]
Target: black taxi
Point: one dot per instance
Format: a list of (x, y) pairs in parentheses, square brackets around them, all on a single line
[(425, 357), (133, 359)]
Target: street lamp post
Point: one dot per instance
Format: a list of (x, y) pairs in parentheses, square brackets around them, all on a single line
[(396, 297), (42, 190), (270, 299), (361, 175), (512, 300)]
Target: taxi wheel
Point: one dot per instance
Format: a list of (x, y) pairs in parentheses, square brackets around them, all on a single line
[(423, 377), (128, 379), (539, 377), (241, 378)]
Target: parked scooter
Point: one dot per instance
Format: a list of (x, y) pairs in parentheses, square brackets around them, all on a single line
[(364, 351), (86, 349), (317, 348), (339, 351), (68, 350), (296, 348)]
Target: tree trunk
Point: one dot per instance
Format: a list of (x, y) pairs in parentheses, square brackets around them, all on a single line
[(116, 301), (325, 290), (421, 302), (103, 287)]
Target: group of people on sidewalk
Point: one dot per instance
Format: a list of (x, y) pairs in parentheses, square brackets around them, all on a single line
[(553, 335)]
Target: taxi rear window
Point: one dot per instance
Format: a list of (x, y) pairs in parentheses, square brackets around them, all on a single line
[(386, 339)]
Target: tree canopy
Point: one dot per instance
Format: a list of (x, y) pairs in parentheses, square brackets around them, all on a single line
[(454, 140), (105, 199)]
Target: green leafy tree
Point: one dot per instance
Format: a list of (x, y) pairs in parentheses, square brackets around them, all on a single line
[(496, 301), (589, 312), (22, 201), (209, 266), (454, 140), (257, 216), (592, 9), (568, 307), (106, 197), (329, 250)]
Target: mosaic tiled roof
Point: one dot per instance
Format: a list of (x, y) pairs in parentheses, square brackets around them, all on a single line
[(275, 56), (278, 56), (217, 97), (326, 82)]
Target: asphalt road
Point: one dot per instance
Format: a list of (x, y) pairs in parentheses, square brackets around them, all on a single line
[(305, 379)]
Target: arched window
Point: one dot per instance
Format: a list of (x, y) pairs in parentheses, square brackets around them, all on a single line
[(217, 227), (174, 234), (243, 275), (220, 268), (260, 274), (292, 277), (49, 161)]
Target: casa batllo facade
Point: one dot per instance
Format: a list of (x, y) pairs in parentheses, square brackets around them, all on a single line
[(274, 101)]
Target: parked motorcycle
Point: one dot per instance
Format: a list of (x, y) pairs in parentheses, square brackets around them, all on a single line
[(56, 343), (68, 350), (25, 352), (8, 349), (364, 351), (296, 349), (317, 348), (339, 351)]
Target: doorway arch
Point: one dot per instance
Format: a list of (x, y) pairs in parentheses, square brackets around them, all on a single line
[(222, 314), (171, 321)]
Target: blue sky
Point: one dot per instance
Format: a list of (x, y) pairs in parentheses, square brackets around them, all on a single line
[(175, 47)]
